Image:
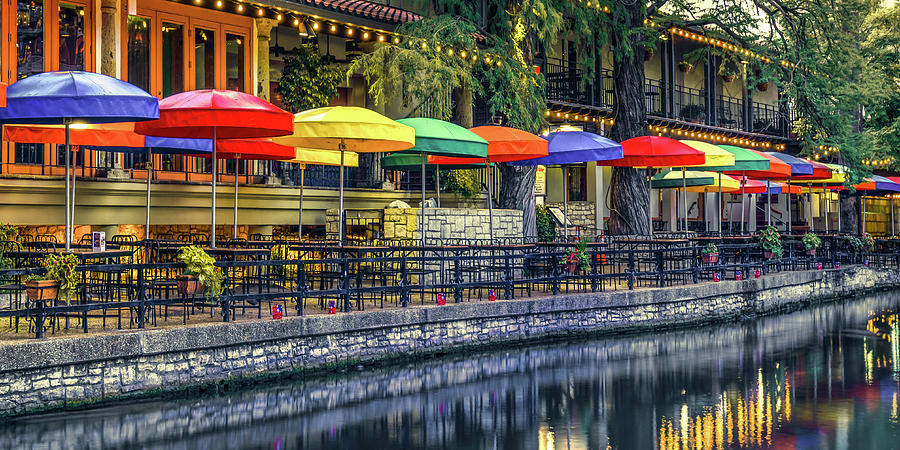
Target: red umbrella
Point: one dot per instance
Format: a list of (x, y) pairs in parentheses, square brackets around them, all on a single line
[(215, 114), (656, 151), (505, 144), (253, 150)]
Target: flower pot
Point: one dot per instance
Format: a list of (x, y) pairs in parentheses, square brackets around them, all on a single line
[(811, 252), (685, 67), (189, 285), (710, 258), (762, 87), (768, 255), (728, 78), (571, 267), (42, 290)]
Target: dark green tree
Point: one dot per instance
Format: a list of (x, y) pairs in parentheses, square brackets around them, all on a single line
[(307, 80)]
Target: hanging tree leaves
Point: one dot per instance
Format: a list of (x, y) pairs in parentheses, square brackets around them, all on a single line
[(307, 80)]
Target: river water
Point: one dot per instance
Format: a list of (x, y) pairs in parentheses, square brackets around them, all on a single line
[(824, 377)]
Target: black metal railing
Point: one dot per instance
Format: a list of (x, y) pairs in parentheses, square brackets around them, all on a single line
[(142, 290)]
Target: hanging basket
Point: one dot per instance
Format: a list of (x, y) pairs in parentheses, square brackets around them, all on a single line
[(648, 54), (762, 87), (728, 78)]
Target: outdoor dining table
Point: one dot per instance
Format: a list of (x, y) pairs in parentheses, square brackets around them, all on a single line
[(83, 255)]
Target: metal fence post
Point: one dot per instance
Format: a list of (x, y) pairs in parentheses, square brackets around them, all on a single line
[(631, 275), (508, 290), (457, 280), (301, 286), (345, 282), (142, 298), (695, 267), (404, 282), (661, 277)]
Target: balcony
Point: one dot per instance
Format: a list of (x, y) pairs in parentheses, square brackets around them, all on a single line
[(566, 84)]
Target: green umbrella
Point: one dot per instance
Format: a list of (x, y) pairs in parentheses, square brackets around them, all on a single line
[(673, 179), (744, 160), (440, 138)]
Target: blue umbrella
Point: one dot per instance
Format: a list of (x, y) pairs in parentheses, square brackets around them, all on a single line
[(161, 146), (798, 167), (574, 147), (75, 97)]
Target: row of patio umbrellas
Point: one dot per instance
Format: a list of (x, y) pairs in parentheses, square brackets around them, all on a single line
[(104, 113)]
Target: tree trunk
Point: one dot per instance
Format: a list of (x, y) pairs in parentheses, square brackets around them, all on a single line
[(517, 192), (629, 198), (463, 116), (850, 209)]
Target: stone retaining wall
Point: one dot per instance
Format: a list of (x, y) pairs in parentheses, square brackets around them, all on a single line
[(54, 372), (443, 223), (581, 214)]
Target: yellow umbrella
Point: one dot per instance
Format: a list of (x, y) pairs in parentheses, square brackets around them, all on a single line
[(306, 156), (723, 183), (348, 128), (716, 157)]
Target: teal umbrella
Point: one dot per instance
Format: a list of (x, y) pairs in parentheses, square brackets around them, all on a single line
[(440, 138)]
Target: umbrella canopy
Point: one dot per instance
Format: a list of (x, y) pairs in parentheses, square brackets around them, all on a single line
[(673, 179), (715, 155), (777, 170), (574, 147), (440, 138), (413, 161), (3, 87), (251, 149), (744, 160), (728, 184), (111, 137), (656, 151), (324, 157), (752, 186), (84, 97), (505, 144), (838, 176), (819, 172), (217, 114), (786, 188), (799, 167), (358, 129)]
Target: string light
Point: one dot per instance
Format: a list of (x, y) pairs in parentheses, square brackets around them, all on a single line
[(240, 7), (260, 12), (296, 22)]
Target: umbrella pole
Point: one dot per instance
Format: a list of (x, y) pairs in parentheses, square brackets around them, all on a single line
[(215, 173), (684, 197), (892, 214), (790, 219), (342, 146), (149, 177), (743, 181), (565, 178), (424, 157), (825, 196), (72, 204), (437, 183), (649, 203), (236, 162), (490, 203), (300, 222), (768, 203), (812, 227), (863, 213), (68, 225), (719, 202)]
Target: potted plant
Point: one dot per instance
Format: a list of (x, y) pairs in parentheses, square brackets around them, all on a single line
[(577, 258), (693, 113), (762, 87), (811, 241), (200, 274), (710, 253), (868, 242), (685, 67), (770, 241), (59, 277)]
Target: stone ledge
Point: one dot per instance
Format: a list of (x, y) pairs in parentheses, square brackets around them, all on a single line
[(139, 343)]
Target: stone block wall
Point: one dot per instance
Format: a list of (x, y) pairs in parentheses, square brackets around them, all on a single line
[(443, 223), (581, 214), (55, 372)]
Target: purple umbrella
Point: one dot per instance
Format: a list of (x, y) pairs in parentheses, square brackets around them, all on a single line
[(574, 147), (798, 167)]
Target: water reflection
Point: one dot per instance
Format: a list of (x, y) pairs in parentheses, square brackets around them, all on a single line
[(820, 378)]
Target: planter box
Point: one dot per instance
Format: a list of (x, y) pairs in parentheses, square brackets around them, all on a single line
[(571, 267), (189, 285), (42, 290), (710, 258)]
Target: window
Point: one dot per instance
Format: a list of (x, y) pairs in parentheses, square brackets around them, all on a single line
[(71, 37), (234, 62), (30, 153), (29, 38), (577, 183), (172, 59), (205, 59), (139, 52)]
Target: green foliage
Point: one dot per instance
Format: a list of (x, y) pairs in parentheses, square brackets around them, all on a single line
[(61, 267), (863, 243), (578, 256), (710, 249), (307, 80), (199, 263), (546, 229), (770, 240), (811, 241), (8, 232), (463, 182)]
